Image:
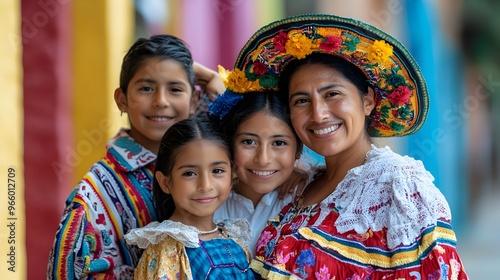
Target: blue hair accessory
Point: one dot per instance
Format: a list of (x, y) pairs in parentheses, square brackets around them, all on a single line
[(221, 106)]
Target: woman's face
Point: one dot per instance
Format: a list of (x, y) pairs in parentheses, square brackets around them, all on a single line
[(327, 110)]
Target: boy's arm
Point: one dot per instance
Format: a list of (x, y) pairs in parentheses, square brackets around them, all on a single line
[(209, 80)]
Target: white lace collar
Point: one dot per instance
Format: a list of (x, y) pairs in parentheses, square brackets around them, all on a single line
[(388, 191), (155, 232)]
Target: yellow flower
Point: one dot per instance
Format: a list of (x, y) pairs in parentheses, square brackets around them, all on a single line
[(224, 74), (300, 46), (238, 82), (324, 32), (379, 52)]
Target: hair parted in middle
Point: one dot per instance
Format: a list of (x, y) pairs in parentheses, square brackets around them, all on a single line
[(177, 136)]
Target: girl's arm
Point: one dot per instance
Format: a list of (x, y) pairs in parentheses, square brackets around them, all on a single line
[(295, 183)]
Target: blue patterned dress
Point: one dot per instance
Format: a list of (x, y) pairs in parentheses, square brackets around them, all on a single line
[(174, 251)]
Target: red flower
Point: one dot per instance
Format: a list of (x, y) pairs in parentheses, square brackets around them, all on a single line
[(332, 43), (280, 41), (399, 95), (259, 68)]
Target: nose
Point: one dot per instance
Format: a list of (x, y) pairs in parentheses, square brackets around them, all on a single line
[(205, 183), (319, 110), (161, 99), (263, 155)]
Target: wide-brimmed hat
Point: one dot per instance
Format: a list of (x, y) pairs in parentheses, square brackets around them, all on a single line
[(400, 90)]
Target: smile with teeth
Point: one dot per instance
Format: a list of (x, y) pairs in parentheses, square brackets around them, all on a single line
[(326, 130), (263, 173), (159, 119)]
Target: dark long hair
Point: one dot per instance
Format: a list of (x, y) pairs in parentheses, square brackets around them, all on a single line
[(349, 70), (252, 103), (176, 137)]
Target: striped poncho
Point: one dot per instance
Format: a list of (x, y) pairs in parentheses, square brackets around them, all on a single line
[(113, 197)]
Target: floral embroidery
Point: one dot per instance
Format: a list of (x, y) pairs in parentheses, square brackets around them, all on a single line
[(259, 68), (299, 45), (263, 239), (444, 268), (379, 52), (280, 41), (280, 259), (399, 95), (152, 264), (323, 274), (355, 277), (455, 269), (239, 82), (305, 259), (331, 44)]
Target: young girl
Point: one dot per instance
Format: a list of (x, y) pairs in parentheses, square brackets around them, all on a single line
[(265, 149), (156, 90), (192, 179)]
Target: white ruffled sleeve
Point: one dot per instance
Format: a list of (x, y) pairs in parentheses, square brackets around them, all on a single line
[(155, 232), (389, 191)]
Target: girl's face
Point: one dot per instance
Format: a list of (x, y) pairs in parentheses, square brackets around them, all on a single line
[(200, 181), (327, 110), (264, 154), (159, 95)]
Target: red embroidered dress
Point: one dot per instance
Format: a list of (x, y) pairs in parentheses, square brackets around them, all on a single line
[(385, 220)]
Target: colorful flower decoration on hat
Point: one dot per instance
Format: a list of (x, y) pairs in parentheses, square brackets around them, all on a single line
[(401, 92)]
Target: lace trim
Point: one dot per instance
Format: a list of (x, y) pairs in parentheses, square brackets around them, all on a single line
[(155, 232), (388, 191)]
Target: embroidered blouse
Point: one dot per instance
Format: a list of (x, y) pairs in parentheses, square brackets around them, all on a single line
[(385, 220)]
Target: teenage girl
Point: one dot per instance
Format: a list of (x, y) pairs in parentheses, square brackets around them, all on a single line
[(265, 149)]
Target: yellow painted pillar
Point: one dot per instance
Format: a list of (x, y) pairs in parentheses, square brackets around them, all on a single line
[(103, 32), (12, 214)]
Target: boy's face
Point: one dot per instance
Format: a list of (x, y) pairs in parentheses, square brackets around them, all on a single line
[(159, 95)]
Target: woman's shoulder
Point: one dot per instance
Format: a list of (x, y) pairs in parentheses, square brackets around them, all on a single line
[(389, 191), (383, 163)]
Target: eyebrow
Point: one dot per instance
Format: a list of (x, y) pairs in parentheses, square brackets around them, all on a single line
[(257, 136), (152, 81), (145, 80), (222, 162), (320, 90)]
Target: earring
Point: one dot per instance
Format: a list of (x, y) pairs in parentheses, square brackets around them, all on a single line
[(121, 112)]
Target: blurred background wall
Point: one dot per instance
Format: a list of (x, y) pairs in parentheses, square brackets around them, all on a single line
[(61, 61)]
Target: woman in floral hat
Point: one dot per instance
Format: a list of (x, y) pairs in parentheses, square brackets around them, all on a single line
[(372, 213)]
